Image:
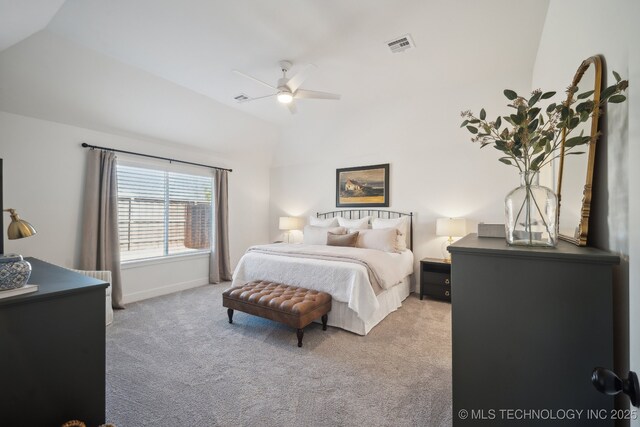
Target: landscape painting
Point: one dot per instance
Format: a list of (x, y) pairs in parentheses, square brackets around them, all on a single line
[(363, 186)]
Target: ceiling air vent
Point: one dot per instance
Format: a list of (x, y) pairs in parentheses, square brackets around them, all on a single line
[(241, 98), (401, 44)]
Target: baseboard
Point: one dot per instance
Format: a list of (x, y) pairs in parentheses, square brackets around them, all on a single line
[(164, 290)]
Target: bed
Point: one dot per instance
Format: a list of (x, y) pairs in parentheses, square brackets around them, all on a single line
[(366, 284)]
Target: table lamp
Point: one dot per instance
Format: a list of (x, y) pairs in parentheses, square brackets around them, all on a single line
[(14, 271), (18, 228), (288, 223), (450, 227)]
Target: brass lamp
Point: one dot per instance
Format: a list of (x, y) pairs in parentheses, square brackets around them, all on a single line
[(15, 271), (18, 228), (450, 227)]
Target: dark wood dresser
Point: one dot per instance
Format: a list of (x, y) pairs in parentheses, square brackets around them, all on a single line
[(528, 327), (52, 350)]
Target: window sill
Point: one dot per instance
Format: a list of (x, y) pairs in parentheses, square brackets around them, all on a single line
[(126, 265)]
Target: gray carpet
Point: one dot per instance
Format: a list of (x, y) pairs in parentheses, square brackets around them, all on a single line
[(176, 361)]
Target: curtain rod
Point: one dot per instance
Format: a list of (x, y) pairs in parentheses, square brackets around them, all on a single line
[(85, 145)]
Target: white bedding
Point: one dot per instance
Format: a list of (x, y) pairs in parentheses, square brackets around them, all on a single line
[(346, 282)]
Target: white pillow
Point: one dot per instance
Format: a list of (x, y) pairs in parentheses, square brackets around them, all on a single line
[(385, 239), (401, 224), (329, 222), (354, 223), (315, 235)]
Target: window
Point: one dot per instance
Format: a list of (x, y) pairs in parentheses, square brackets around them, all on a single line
[(162, 213)]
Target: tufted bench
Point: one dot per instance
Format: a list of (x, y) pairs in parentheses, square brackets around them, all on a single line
[(293, 306)]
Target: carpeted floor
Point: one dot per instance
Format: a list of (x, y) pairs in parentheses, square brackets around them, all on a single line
[(176, 361)]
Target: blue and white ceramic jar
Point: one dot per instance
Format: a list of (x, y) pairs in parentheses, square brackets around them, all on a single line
[(14, 272)]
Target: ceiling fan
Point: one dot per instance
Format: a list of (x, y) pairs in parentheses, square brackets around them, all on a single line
[(288, 89)]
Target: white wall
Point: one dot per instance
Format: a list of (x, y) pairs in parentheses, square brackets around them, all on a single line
[(605, 28), (43, 179), (435, 171), (410, 118)]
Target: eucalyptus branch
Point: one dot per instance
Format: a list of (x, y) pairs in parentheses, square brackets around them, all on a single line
[(535, 137)]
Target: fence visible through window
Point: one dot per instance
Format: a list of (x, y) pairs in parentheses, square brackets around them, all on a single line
[(162, 213)]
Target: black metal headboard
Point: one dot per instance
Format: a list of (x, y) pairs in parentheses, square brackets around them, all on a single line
[(377, 213)]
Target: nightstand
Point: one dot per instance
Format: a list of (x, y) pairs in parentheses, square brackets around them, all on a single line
[(435, 278)]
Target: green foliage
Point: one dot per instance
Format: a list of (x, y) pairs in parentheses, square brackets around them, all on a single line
[(617, 76), (535, 136), (585, 94), (511, 95), (615, 99)]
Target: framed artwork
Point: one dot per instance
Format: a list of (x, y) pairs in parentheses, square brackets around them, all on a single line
[(363, 186)]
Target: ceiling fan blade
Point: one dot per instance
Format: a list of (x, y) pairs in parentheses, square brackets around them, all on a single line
[(254, 79), (258, 97), (313, 94), (292, 108), (296, 81)]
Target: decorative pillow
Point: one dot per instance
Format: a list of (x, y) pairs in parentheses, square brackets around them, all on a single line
[(385, 239), (319, 222), (400, 224), (354, 223), (315, 235), (342, 239)]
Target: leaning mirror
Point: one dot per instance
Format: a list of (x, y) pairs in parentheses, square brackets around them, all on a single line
[(575, 174)]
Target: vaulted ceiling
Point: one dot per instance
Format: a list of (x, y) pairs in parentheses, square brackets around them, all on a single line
[(20, 19), (194, 45)]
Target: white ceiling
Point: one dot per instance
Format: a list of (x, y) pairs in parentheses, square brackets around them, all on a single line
[(195, 45), (198, 43), (21, 18), (51, 78)]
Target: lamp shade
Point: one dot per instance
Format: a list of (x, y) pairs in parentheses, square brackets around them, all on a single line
[(18, 228), (451, 227), (288, 223)]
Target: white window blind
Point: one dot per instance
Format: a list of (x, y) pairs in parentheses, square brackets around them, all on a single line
[(162, 213)]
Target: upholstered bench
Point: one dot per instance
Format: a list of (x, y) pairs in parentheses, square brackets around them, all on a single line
[(293, 306)]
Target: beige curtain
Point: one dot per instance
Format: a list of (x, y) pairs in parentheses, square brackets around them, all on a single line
[(219, 264), (100, 243)]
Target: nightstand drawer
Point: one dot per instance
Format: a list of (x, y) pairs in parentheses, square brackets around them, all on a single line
[(438, 291), (435, 278), (442, 279)]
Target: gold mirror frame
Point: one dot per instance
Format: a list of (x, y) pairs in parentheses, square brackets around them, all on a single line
[(580, 237)]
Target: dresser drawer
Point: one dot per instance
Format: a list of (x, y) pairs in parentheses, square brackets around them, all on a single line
[(438, 291), (443, 279)]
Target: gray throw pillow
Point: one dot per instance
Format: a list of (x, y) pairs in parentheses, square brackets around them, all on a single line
[(350, 239)]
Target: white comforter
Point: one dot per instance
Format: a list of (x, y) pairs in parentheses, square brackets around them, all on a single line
[(345, 281)]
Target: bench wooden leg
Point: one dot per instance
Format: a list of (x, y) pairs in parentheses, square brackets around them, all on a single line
[(230, 314), (300, 334), (325, 318)]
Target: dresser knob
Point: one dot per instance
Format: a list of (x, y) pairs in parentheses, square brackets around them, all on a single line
[(607, 382), (447, 281), (447, 293)]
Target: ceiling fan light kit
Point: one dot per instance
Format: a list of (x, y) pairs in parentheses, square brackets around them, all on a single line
[(288, 89), (285, 97)]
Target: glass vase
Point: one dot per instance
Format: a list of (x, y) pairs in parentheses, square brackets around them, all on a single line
[(531, 213)]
